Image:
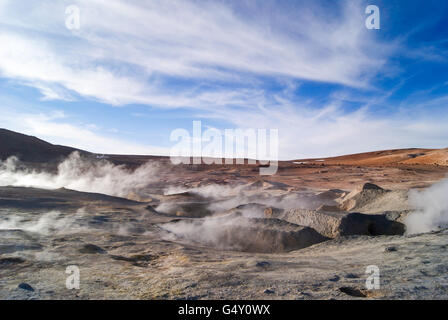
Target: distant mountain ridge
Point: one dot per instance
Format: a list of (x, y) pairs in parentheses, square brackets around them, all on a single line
[(31, 149)]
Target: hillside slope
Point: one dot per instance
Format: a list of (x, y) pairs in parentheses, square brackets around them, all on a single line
[(389, 157), (30, 149)]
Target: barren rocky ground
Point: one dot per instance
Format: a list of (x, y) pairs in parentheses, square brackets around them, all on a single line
[(218, 232)]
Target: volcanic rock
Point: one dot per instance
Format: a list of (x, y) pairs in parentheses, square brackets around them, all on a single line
[(335, 224), (247, 235), (370, 198)]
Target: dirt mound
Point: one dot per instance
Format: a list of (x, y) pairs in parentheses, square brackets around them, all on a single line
[(267, 185), (251, 206), (361, 196), (335, 224), (331, 194), (370, 198), (247, 235), (185, 209), (183, 196), (185, 204), (254, 210)]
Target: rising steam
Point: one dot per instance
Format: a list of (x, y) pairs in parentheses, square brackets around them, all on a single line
[(214, 232), (53, 222), (80, 174), (431, 209), (226, 197)]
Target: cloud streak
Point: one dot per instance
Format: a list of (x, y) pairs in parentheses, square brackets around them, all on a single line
[(130, 51)]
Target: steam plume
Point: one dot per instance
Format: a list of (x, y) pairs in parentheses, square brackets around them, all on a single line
[(431, 209), (79, 174), (53, 222)]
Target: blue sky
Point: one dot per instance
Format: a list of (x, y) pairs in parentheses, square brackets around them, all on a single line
[(137, 70)]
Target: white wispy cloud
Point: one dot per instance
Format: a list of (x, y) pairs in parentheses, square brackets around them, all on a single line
[(209, 56), (126, 51), (308, 132)]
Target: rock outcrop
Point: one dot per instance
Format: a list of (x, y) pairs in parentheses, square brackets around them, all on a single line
[(370, 198), (335, 224)]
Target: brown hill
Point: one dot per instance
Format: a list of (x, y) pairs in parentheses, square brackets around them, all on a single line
[(30, 149), (435, 157), (388, 157)]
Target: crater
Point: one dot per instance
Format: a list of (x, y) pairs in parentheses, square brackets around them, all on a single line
[(243, 234)]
